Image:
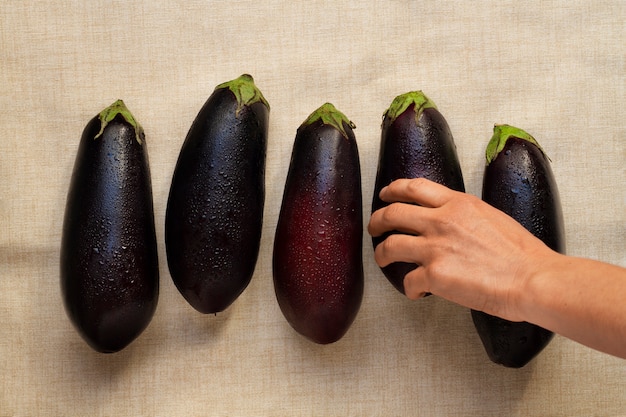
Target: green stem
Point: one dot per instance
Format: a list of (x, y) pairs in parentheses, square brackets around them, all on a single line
[(329, 115), (111, 112), (501, 134), (245, 91), (403, 101)]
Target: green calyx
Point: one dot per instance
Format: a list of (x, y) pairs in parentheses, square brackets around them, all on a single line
[(403, 101), (111, 112), (329, 115), (245, 92), (502, 133)]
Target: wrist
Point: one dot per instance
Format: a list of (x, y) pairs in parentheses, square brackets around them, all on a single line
[(533, 285)]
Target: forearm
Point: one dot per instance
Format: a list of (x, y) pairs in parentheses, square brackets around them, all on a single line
[(581, 299)]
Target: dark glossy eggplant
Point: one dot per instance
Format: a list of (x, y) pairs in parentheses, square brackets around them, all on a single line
[(318, 259), (109, 265), (519, 181), (215, 207), (415, 143)]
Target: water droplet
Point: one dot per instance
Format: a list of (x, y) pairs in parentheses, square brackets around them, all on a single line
[(96, 250)]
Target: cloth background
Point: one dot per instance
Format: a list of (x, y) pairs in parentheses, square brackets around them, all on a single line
[(554, 68)]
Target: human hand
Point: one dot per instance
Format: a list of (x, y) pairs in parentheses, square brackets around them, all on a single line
[(468, 251)]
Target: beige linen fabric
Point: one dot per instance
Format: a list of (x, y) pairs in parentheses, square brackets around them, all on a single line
[(554, 68)]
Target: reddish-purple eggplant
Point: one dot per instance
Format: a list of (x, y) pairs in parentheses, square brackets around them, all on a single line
[(416, 142), (519, 181), (215, 207), (109, 265), (318, 259)]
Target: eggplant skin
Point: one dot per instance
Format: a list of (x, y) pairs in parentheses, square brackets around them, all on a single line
[(507, 343), (416, 142), (519, 181), (215, 207), (317, 258), (109, 264)]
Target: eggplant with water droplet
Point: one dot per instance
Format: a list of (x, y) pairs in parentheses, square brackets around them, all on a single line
[(317, 259), (109, 265), (215, 207), (519, 181), (416, 142)]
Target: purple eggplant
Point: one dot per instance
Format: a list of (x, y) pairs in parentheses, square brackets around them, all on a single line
[(519, 181), (109, 265), (318, 259), (214, 211), (415, 143)]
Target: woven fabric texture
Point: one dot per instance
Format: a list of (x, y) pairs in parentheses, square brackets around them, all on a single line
[(554, 68)]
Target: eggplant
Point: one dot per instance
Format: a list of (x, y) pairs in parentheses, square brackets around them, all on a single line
[(109, 264), (214, 211), (416, 142), (317, 260), (519, 181)]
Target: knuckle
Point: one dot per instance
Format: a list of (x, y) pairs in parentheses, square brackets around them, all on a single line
[(411, 292), (388, 250), (413, 284), (444, 223), (459, 210), (436, 269), (391, 213), (466, 202), (415, 184), (388, 245)]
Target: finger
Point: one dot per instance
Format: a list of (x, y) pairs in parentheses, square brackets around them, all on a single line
[(415, 285), (399, 248), (405, 218), (417, 190)]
